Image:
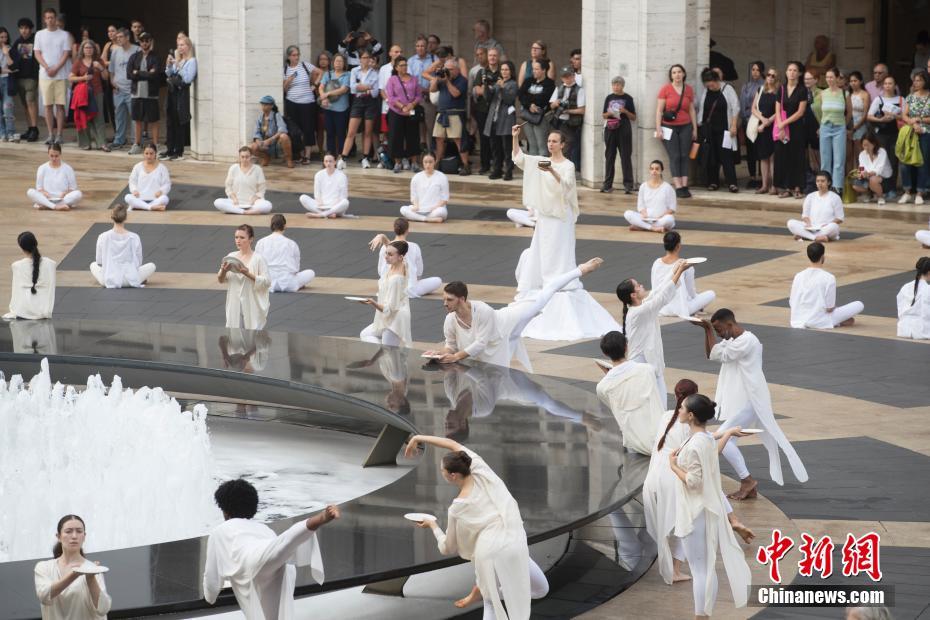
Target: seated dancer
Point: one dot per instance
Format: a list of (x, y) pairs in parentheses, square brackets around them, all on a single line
[(744, 400), (282, 255), (822, 211), (245, 188), (914, 304), (656, 203), (33, 287), (118, 262), (260, 565), (56, 187), (474, 330), (923, 236), (391, 326), (630, 391), (813, 296), (330, 191), (484, 526), (688, 302), (429, 194), (418, 286), (149, 183)]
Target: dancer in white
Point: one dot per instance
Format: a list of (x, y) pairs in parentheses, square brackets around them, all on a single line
[(549, 189), (391, 326), (822, 212), (330, 191), (33, 287), (245, 188), (923, 236), (484, 526), (744, 399), (429, 194), (417, 286), (656, 203), (641, 320), (914, 304), (56, 186), (700, 514), (118, 261), (630, 392), (473, 329), (247, 296), (149, 183), (813, 296), (282, 255), (260, 565), (688, 302)]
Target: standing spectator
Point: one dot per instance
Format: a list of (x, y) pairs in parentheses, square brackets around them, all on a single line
[(137, 28), (718, 110), (501, 117), (145, 71), (7, 87), (916, 179), (363, 83), (484, 40), (821, 59), (122, 86), (538, 51), (676, 126), (764, 110), (723, 63), (479, 77), (534, 99), (324, 62), (876, 86), (619, 113), (355, 44), (416, 65), (812, 122), (300, 81), (181, 69), (747, 98), (334, 99), (859, 102), (835, 113), (270, 137), (884, 114), (790, 162), (105, 60), (27, 76), (385, 72), (452, 87), (90, 71), (922, 50), (567, 103), (432, 44), (403, 96), (574, 59), (53, 51)]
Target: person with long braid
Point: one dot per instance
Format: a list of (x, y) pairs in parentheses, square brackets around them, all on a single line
[(914, 304), (641, 320), (33, 288)]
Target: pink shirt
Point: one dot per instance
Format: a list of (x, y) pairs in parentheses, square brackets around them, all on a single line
[(400, 92)]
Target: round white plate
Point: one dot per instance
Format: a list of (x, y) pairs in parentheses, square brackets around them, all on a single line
[(697, 260), (812, 228), (694, 319), (419, 517), (603, 363), (234, 262), (432, 356), (752, 431), (89, 568), (352, 298)]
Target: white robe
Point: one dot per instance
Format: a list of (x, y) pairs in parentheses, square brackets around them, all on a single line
[(392, 295), (56, 181), (643, 334), (148, 183), (247, 302), (483, 341), (812, 292), (742, 385), (681, 304), (330, 189), (428, 191), (120, 256), (631, 393), (74, 602), (914, 318), (25, 305), (282, 255), (260, 565)]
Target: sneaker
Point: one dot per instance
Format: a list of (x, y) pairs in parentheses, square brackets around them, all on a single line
[(365, 163), (135, 150), (32, 135), (165, 155), (464, 171), (415, 168), (685, 192), (918, 199), (864, 199), (341, 164), (905, 198), (881, 202), (406, 164), (177, 157), (398, 168), (50, 140)]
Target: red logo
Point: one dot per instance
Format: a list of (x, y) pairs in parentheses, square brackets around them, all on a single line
[(773, 553), (817, 556), (860, 555)]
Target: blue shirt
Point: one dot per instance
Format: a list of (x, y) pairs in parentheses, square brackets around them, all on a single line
[(447, 101), (340, 103), (187, 72), (370, 78), (416, 66)]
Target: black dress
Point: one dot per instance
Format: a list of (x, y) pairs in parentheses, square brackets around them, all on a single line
[(791, 157), (765, 144)]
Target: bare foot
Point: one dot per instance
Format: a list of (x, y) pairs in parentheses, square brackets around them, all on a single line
[(591, 265), (473, 597), (659, 229), (926, 247), (677, 574), (635, 228), (797, 238), (821, 238), (159, 208), (62, 207), (741, 530), (332, 216), (435, 220), (747, 489), (848, 322)]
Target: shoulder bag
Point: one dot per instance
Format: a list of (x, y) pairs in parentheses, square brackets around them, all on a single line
[(752, 125), (670, 117)]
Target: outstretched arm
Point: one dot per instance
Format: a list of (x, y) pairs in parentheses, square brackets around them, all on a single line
[(439, 442)]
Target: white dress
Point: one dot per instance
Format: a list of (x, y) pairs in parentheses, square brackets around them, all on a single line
[(914, 318), (25, 305), (247, 302), (631, 393), (392, 295), (572, 313), (74, 602), (643, 334)]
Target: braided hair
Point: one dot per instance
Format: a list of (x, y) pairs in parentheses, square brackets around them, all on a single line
[(625, 295), (683, 389), (27, 243), (923, 268)]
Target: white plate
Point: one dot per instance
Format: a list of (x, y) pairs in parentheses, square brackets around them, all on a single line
[(651, 220), (812, 228), (89, 568), (351, 298), (603, 364), (694, 319), (697, 260), (234, 262), (752, 431), (432, 356), (419, 517)]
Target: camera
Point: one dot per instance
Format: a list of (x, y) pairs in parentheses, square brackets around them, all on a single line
[(355, 34), (442, 73), (488, 79)]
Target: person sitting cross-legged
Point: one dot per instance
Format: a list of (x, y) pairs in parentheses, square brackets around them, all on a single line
[(822, 213), (656, 203), (813, 296), (245, 188), (330, 191)]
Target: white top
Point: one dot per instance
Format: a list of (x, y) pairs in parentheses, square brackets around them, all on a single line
[(657, 201), (282, 255), (880, 165), (260, 565), (245, 185), (644, 338), (483, 340), (395, 316), (300, 90), (56, 181), (74, 602), (53, 45), (428, 190), (384, 74), (914, 318), (413, 258), (247, 302), (120, 256), (545, 195), (632, 394), (823, 209), (25, 305), (330, 189), (812, 292), (889, 105), (662, 271), (147, 183)]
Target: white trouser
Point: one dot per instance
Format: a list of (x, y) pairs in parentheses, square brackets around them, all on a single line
[(387, 337), (846, 312), (629, 546), (634, 218), (701, 301), (70, 199), (744, 419), (294, 283), (539, 587), (139, 203), (521, 217), (226, 205), (424, 287), (409, 212), (797, 228), (145, 272), (308, 203), (518, 314), (923, 236), (695, 545)]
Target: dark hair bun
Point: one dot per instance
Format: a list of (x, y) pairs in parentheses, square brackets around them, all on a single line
[(457, 463)]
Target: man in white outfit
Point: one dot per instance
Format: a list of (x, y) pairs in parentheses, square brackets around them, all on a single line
[(688, 301), (118, 261), (813, 296), (417, 286), (822, 213), (282, 255), (331, 192)]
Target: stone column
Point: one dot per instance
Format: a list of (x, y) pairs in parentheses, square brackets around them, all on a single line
[(639, 40)]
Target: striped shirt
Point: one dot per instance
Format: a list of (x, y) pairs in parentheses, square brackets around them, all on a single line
[(300, 90)]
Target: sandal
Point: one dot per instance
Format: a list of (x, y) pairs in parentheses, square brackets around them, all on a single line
[(304, 161), (106, 148), (784, 194), (798, 194)]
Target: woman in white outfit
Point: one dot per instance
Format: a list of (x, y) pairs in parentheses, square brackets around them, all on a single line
[(656, 203), (149, 183), (56, 186), (418, 285), (118, 262), (392, 309), (282, 255), (429, 194), (484, 526), (688, 301), (914, 304), (63, 592), (33, 286), (245, 188), (874, 168), (248, 295), (330, 189)]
